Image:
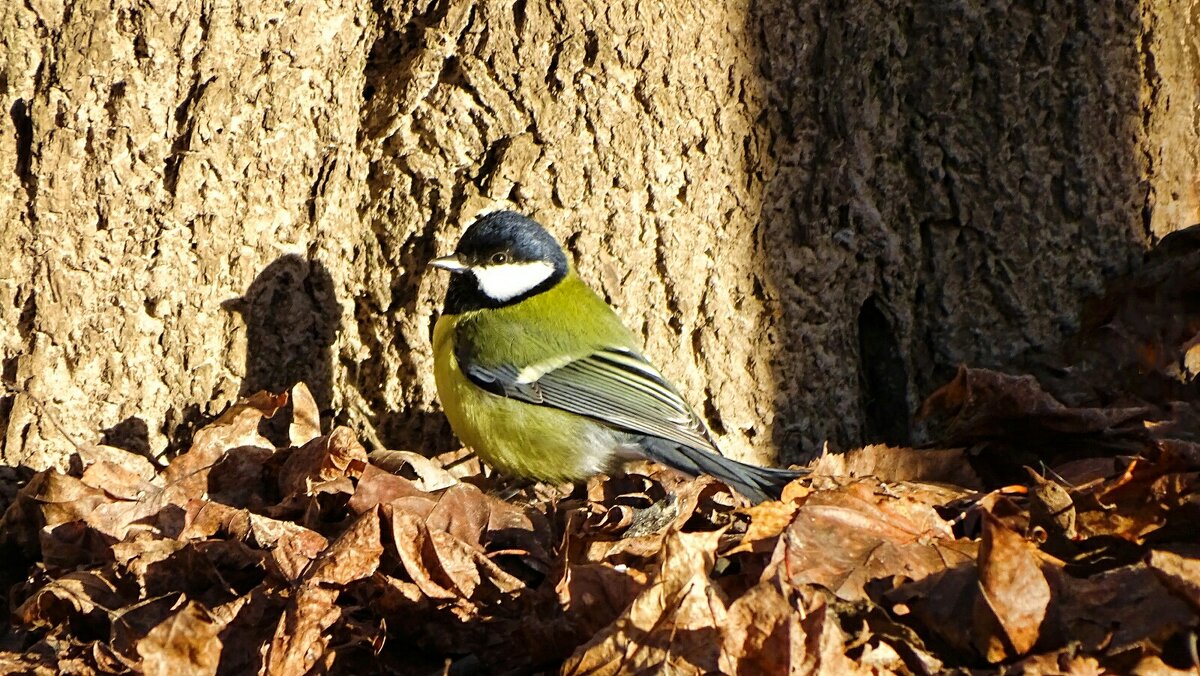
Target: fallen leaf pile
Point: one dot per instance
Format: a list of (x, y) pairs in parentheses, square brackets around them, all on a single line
[(1054, 531)]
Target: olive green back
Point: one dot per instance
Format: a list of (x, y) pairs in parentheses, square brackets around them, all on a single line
[(568, 321)]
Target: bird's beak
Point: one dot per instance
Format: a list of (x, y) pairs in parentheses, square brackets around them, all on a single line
[(450, 263)]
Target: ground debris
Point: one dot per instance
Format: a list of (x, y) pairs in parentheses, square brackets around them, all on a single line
[(1052, 530)]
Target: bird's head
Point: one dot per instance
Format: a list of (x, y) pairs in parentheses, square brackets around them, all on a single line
[(502, 258)]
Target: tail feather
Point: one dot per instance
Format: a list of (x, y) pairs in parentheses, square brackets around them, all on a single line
[(756, 483)]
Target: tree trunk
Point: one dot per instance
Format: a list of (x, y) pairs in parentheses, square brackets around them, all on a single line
[(811, 211)]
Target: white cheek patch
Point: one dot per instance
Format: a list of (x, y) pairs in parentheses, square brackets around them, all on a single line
[(507, 281)]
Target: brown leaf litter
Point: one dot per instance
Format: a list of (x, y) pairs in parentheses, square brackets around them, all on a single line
[(1052, 531)]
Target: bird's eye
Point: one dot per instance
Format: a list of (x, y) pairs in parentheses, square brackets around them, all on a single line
[(499, 258)]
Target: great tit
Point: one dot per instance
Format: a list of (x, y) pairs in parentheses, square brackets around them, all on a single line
[(538, 375)]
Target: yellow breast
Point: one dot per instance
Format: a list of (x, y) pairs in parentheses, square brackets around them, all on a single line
[(515, 437)]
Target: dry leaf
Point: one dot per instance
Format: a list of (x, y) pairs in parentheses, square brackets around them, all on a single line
[(301, 637), (1179, 573), (671, 626), (72, 597), (138, 465), (888, 463), (428, 475), (767, 521), (1012, 589), (841, 539), (306, 418), (235, 428), (184, 644), (379, 487), (980, 404), (335, 456), (762, 634)]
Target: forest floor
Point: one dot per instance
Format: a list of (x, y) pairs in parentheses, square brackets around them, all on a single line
[(1052, 529)]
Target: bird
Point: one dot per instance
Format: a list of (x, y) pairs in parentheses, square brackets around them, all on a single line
[(538, 375)]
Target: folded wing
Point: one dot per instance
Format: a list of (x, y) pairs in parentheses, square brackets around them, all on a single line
[(617, 387)]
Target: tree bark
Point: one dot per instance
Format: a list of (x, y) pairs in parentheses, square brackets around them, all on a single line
[(811, 211)]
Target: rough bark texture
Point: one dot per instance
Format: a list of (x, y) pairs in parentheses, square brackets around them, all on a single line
[(812, 211)]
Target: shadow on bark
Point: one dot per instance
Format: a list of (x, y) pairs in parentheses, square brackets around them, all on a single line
[(949, 182), (292, 319), (402, 260), (131, 434)]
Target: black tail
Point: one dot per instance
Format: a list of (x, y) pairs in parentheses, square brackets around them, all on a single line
[(756, 483)]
